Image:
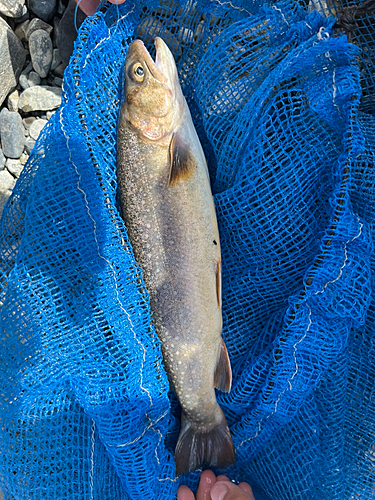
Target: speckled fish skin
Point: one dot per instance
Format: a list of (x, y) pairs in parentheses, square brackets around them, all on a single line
[(167, 206)]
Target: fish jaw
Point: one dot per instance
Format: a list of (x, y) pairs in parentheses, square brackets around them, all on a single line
[(164, 62)]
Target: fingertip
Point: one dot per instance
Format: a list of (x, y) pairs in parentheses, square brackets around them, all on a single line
[(246, 487), (184, 493), (222, 478), (208, 477), (219, 490), (206, 481)]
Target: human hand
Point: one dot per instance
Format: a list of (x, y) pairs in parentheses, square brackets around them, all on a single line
[(216, 488), (89, 6)]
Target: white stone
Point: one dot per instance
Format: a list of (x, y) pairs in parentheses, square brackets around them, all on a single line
[(14, 167), (7, 181), (13, 101), (2, 160), (12, 8), (41, 98), (36, 127)]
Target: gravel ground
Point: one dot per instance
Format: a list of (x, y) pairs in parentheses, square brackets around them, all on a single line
[(36, 42)]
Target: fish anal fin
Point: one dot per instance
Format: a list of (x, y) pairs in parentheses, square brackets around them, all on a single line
[(182, 161), (223, 372)]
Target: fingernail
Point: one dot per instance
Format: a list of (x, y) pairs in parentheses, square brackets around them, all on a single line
[(218, 491)]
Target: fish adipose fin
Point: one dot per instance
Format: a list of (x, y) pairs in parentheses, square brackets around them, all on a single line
[(197, 447), (182, 162), (223, 372)]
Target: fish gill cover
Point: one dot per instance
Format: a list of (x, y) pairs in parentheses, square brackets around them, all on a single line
[(284, 107)]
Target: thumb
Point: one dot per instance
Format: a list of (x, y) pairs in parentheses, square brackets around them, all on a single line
[(225, 490)]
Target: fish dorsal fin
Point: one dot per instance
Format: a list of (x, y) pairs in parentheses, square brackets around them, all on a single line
[(223, 372), (182, 161)]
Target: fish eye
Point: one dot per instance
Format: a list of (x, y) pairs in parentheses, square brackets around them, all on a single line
[(138, 72)]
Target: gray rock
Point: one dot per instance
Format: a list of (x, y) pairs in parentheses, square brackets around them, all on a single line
[(61, 7), (21, 30), (37, 24), (14, 167), (36, 128), (2, 160), (58, 81), (4, 196), (12, 8), (44, 9), (28, 121), (13, 101), (49, 114), (56, 59), (66, 32), (29, 144), (12, 59), (40, 46), (55, 23), (59, 71), (12, 133), (6, 181), (23, 81), (27, 68), (41, 98), (33, 79)]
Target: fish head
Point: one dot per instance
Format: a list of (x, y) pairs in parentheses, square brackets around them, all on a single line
[(154, 103)]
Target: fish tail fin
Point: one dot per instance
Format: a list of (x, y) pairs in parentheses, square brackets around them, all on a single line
[(197, 446)]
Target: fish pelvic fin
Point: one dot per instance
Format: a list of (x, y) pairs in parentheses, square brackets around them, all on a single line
[(197, 447), (182, 161), (223, 372)]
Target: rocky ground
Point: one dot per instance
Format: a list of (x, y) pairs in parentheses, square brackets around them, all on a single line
[(36, 42)]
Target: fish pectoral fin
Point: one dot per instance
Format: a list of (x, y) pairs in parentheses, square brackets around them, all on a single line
[(182, 161), (223, 372)]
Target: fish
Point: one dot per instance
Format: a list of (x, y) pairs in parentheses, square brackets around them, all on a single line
[(165, 200)]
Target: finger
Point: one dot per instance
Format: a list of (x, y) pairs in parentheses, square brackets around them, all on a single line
[(222, 478), (207, 480), (88, 6), (117, 2), (246, 487), (185, 493), (225, 490)]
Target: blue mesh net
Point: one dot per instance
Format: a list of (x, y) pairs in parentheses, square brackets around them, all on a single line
[(284, 107)]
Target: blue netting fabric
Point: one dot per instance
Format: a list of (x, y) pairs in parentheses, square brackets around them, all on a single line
[(284, 108)]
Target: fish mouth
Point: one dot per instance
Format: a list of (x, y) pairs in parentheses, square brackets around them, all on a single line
[(162, 55), (157, 67)]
